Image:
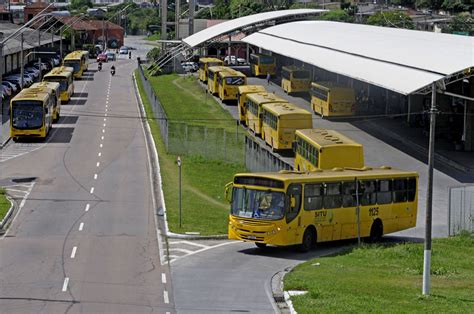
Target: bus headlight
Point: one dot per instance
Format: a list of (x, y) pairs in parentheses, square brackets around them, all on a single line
[(272, 232)]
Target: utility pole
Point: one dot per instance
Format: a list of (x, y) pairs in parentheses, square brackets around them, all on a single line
[(429, 196), (191, 17), (177, 12), (1, 99), (22, 68), (164, 20)]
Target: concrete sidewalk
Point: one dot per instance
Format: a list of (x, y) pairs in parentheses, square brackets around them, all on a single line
[(5, 123)]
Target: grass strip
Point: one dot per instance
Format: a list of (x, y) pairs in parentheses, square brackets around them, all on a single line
[(203, 208), (388, 279), (4, 203)]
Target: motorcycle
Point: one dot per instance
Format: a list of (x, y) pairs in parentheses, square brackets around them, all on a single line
[(100, 66), (112, 71)]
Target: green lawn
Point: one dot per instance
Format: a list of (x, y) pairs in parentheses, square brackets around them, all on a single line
[(4, 204), (388, 279), (153, 37), (203, 208)]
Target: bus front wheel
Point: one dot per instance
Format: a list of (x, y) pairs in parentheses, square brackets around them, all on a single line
[(261, 245), (376, 231), (309, 240)]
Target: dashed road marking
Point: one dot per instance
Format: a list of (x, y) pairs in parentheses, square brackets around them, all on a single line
[(165, 297), (92, 190), (81, 226), (102, 138), (99, 154), (95, 176), (87, 207), (66, 282), (73, 253), (98, 164), (163, 277)]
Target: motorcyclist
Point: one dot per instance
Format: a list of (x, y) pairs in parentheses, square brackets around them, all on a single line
[(112, 69), (100, 65)]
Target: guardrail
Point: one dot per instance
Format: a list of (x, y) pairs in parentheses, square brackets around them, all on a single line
[(461, 209)]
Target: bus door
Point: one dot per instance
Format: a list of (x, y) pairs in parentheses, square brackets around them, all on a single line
[(48, 111), (321, 217), (294, 224)]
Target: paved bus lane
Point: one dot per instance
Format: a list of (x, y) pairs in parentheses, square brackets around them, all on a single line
[(85, 241)]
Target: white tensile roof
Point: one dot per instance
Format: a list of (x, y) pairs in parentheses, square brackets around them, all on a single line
[(245, 21), (401, 60)]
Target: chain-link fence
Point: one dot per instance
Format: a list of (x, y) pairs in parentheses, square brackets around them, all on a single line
[(259, 159), (185, 139), (461, 209)]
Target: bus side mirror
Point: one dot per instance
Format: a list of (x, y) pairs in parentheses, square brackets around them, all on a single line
[(228, 191)]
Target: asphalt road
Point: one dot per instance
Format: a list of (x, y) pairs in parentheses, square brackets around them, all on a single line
[(85, 239)]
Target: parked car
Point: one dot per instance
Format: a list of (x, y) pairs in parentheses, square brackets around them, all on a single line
[(102, 57), (123, 50), (190, 66), (6, 90), (15, 81), (111, 56), (13, 87)]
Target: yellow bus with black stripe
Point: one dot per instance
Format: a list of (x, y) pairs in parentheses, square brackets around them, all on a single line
[(56, 95), (64, 76), (229, 81), (254, 111), (242, 92), (212, 78), (295, 79), (204, 64)]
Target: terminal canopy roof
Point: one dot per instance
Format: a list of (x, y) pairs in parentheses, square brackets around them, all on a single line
[(248, 22), (405, 61)]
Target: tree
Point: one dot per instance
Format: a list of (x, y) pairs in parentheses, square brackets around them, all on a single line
[(337, 15), (80, 4), (240, 8), (396, 19), (462, 22)]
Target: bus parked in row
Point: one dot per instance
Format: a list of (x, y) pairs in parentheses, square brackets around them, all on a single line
[(55, 94), (229, 81), (205, 64), (326, 149), (254, 109), (331, 99), (31, 113), (261, 64), (242, 92), (212, 78), (64, 76), (78, 60), (280, 121), (291, 208), (295, 79)]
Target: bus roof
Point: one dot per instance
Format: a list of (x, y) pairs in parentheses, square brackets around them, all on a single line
[(51, 85), (343, 174), (326, 138), (329, 85), (218, 68), (60, 71), (210, 59), (279, 109), (247, 89), (292, 68), (263, 98), (41, 94), (231, 73), (75, 55)]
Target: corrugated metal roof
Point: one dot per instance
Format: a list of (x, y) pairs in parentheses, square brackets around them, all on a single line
[(397, 59), (241, 22)]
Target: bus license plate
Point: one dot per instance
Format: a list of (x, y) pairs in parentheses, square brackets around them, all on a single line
[(251, 237)]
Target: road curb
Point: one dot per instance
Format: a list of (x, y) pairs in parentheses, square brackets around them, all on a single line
[(10, 211)]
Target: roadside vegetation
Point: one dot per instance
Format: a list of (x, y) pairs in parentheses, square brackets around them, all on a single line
[(388, 279), (204, 209), (4, 203)]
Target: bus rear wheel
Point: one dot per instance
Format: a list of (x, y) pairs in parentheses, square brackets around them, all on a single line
[(309, 240), (376, 231)]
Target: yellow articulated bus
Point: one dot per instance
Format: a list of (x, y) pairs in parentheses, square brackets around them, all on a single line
[(330, 99), (78, 60), (31, 113), (242, 92), (254, 111), (261, 64), (290, 208), (56, 95), (212, 78), (326, 149), (205, 64), (228, 82), (63, 76), (294, 79), (280, 121)]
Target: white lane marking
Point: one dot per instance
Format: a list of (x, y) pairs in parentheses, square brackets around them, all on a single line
[(165, 296), (101, 145), (104, 125), (102, 138), (73, 253), (92, 190), (173, 258), (95, 176), (163, 277), (106, 109), (87, 207), (105, 115), (66, 281), (181, 250), (99, 154), (103, 130), (105, 119), (190, 243), (81, 226), (23, 201), (98, 164)]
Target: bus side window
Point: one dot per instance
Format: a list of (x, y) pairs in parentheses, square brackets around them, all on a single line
[(399, 190), (368, 189), (313, 196), (411, 189), (349, 194), (384, 191), (332, 195), (294, 191)]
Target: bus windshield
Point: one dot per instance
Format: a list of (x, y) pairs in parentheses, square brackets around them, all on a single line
[(75, 64), (27, 114), (301, 75), (266, 60), (258, 204), (62, 82), (211, 64)]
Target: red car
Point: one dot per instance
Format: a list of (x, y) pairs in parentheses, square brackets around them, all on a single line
[(102, 57)]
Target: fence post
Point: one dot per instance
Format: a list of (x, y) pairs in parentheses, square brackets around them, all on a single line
[(225, 145)]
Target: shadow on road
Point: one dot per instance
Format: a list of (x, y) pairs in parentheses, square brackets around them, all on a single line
[(68, 120), (62, 135)]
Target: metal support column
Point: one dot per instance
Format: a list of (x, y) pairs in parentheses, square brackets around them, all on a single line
[(408, 109), (228, 48), (177, 12), (22, 67), (191, 17)]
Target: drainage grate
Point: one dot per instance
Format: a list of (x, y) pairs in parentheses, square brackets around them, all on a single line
[(23, 180)]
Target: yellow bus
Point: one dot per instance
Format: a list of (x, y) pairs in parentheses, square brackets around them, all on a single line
[(280, 121), (228, 82), (330, 99), (254, 111), (31, 113), (78, 60), (63, 76), (56, 95), (242, 92), (326, 149), (294, 79), (212, 76), (290, 208), (204, 64), (261, 64)]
